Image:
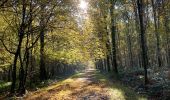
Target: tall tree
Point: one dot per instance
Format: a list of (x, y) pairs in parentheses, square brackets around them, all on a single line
[(156, 24), (18, 50), (166, 14), (143, 38), (43, 74), (46, 14), (113, 31)]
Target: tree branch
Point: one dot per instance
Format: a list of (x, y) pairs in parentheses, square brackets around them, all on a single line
[(6, 47)]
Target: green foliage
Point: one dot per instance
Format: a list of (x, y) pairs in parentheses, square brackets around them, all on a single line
[(4, 86)]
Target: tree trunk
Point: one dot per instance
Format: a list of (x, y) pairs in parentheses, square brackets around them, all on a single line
[(156, 21), (21, 76), (113, 31), (108, 58), (15, 65), (9, 73), (167, 30), (43, 75), (142, 39), (129, 45)]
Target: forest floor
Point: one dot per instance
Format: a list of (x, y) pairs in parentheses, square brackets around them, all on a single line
[(88, 85)]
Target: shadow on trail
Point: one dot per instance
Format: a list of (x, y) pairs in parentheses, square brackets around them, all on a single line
[(115, 89), (88, 85), (92, 88)]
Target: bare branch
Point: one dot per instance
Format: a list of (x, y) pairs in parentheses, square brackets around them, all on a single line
[(6, 47)]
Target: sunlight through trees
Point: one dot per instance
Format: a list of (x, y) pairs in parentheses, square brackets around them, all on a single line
[(42, 40)]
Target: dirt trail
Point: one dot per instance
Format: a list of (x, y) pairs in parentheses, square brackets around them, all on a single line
[(84, 86), (89, 85)]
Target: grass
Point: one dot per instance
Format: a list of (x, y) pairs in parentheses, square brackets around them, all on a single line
[(4, 86), (39, 86), (118, 90), (55, 90), (61, 81)]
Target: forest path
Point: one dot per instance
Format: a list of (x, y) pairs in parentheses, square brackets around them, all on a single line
[(89, 85)]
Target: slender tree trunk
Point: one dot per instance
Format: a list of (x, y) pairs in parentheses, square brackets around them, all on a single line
[(156, 21), (23, 72), (18, 51), (167, 29), (21, 88), (15, 65), (167, 41), (9, 73), (43, 75), (138, 31), (143, 39), (119, 51), (108, 57), (129, 45), (114, 49), (113, 31), (30, 54), (105, 64)]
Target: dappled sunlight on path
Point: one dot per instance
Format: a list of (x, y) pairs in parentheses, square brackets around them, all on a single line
[(83, 86)]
